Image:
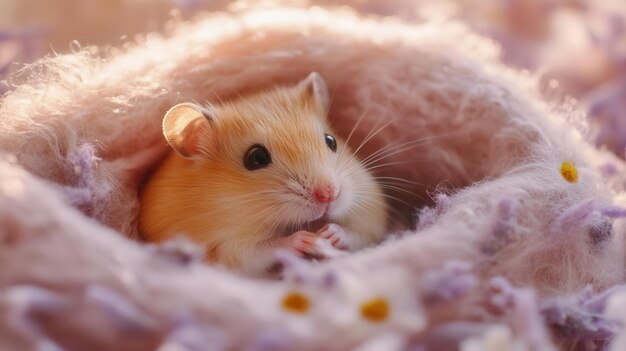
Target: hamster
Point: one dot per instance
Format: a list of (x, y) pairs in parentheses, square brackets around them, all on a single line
[(261, 173)]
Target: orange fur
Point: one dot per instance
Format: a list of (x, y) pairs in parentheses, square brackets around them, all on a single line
[(216, 201)]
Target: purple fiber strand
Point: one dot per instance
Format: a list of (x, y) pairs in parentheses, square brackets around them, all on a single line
[(501, 228), (449, 335), (448, 283), (442, 203), (575, 217), (601, 232), (527, 319), (83, 162), (23, 302), (4, 69), (121, 312), (295, 269), (614, 211), (506, 207), (581, 319), (35, 299), (575, 323), (606, 106), (180, 250), (597, 303), (577, 319), (329, 279), (191, 336), (78, 196), (501, 293), (26, 52), (608, 169), (427, 216), (585, 294), (274, 340)]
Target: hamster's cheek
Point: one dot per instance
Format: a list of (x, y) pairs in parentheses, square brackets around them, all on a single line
[(346, 197)]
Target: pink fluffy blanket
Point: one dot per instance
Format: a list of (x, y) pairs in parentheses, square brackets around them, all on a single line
[(521, 248)]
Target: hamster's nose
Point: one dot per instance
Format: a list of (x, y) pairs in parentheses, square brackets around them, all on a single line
[(325, 193)]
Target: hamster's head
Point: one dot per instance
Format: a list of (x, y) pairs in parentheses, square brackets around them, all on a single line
[(270, 158)]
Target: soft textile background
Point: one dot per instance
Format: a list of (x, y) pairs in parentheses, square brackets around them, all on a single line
[(577, 46), (510, 254)]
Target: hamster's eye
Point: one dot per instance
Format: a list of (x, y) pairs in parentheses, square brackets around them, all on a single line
[(257, 157), (331, 142)]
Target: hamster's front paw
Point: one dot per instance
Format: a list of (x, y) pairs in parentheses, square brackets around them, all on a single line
[(335, 234), (303, 242), (313, 245)]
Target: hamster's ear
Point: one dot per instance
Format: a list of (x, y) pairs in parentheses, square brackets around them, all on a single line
[(314, 89), (183, 126)]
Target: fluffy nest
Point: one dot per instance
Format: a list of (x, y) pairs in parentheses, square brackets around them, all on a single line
[(520, 248)]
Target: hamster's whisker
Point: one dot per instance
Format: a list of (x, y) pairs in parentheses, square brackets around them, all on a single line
[(388, 186), (274, 225), (388, 196), (396, 188), (347, 142), (391, 149), (399, 188), (399, 180), (373, 133), (404, 185), (369, 137), (397, 199), (365, 200), (270, 214), (359, 203), (298, 219), (362, 202), (350, 171), (391, 164), (291, 174)]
